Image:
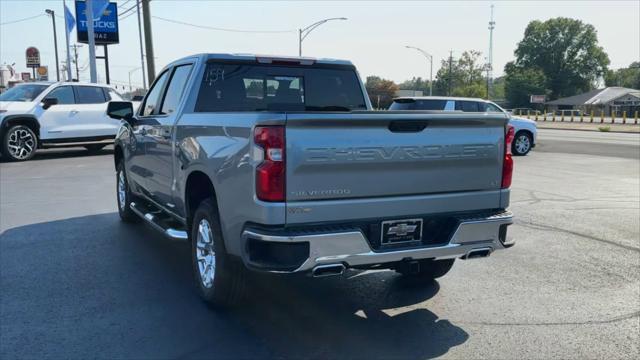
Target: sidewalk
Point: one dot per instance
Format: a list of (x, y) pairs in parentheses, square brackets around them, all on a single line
[(626, 128)]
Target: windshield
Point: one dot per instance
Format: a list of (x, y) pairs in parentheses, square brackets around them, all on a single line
[(249, 87), (23, 92)]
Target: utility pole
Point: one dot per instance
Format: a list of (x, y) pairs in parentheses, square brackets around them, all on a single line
[(75, 59), (55, 41), (148, 41), (303, 33), (450, 68), (92, 42), (492, 25), (144, 76)]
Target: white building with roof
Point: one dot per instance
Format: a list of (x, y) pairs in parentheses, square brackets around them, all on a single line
[(610, 100)]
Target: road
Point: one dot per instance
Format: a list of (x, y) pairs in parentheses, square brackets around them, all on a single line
[(78, 283)]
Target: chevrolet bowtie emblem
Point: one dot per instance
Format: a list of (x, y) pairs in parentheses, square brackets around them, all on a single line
[(401, 229)]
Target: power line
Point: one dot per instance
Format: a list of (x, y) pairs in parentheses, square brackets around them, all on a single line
[(126, 16), (122, 14), (223, 29), (21, 20)]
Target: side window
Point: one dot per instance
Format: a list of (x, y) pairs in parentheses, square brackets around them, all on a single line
[(90, 95), (175, 89), (467, 106), (153, 98), (64, 94), (449, 106), (492, 108), (111, 95), (431, 104)]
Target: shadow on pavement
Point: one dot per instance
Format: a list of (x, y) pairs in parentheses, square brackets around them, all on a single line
[(62, 153), (95, 287)]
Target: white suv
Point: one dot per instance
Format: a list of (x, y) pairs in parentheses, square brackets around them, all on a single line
[(37, 115), (526, 131)]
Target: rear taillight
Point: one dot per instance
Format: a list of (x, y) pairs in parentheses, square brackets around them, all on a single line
[(270, 173), (507, 164)]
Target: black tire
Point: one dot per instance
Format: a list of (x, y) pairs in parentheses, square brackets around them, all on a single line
[(19, 143), (94, 147), (523, 148), (228, 283), (430, 270), (125, 212)]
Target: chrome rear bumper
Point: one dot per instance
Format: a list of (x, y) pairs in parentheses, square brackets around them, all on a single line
[(351, 248)]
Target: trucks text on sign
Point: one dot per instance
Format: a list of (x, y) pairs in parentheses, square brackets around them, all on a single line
[(105, 29)]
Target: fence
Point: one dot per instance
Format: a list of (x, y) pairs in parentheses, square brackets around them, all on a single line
[(592, 117)]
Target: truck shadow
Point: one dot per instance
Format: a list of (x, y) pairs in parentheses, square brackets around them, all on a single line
[(62, 153), (125, 291)]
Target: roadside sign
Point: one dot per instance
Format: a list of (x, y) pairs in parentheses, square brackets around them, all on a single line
[(25, 76), (43, 73), (105, 29), (537, 99), (33, 57)]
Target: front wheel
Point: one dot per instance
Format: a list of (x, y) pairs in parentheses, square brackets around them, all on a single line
[(124, 196), (220, 278), (19, 143), (522, 143)]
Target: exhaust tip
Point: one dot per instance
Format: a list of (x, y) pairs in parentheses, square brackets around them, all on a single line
[(328, 270), (478, 253)]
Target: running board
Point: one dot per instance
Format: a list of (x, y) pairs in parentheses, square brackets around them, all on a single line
[(158, 222)]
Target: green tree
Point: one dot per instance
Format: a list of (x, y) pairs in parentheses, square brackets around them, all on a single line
[(416, 83), (466, 76), (520, 83), (626, 77), (381, 91), (498, 88), (566, 51)]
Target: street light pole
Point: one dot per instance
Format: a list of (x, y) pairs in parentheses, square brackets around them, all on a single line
[(132, 70), (55, 41), (430, 58), (303, 33)]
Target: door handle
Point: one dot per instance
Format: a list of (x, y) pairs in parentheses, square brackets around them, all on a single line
[(73, 112)]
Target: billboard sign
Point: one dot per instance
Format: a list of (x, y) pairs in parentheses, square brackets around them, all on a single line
[(33, 57), (537, 99), (105, 29)]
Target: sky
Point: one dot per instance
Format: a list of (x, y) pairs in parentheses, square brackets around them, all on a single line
[(373, 37)]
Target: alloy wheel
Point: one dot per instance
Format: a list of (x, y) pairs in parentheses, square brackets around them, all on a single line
[(205, 254), (523, 144), (122, 191), (21, 143)]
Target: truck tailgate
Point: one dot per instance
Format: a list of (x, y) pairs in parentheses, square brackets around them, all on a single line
[(380, 154)]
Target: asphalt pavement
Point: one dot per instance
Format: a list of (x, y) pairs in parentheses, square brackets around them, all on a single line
[(77, 283)]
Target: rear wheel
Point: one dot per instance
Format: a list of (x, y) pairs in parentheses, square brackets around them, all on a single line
[(19, 143), (429, 269), (220, 278), (522, 143), (124, 196)]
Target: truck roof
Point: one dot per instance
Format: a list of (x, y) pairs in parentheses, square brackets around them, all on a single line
[(258, 57)]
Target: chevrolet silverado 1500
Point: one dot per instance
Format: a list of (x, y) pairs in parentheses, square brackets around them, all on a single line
[(279, 165)]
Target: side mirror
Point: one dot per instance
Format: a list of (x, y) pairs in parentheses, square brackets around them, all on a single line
[(120, 110), (49, 102)]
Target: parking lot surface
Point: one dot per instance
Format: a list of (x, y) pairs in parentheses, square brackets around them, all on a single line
[(78, 283)]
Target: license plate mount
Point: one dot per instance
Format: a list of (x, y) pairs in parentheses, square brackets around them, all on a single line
[(401, 231)]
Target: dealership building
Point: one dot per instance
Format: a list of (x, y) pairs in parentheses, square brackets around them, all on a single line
[(610, 100)]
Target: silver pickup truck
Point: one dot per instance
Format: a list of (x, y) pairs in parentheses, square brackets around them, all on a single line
[(279, 165)]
